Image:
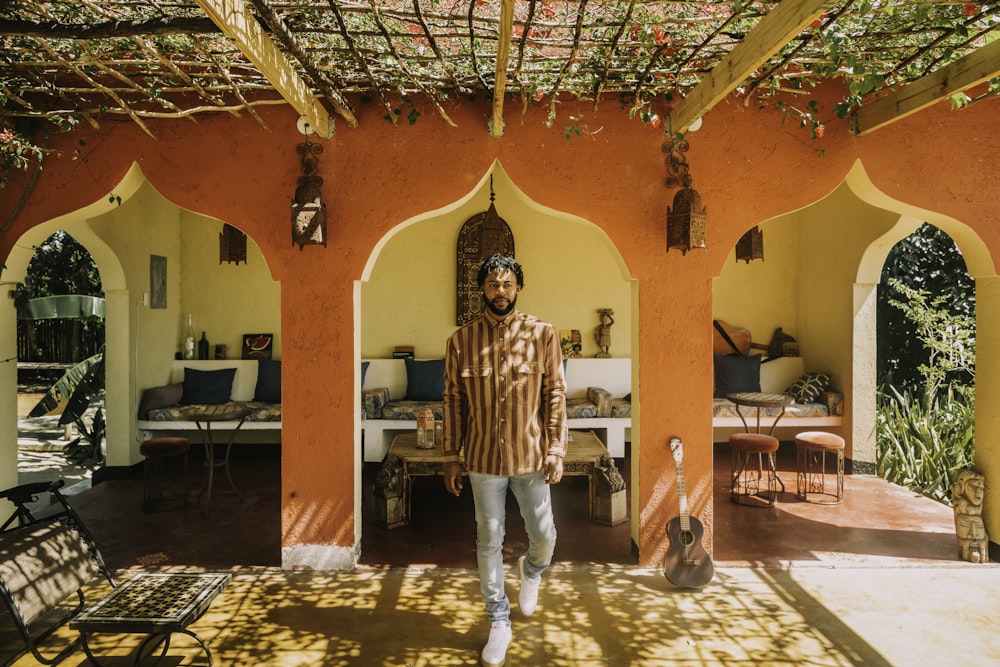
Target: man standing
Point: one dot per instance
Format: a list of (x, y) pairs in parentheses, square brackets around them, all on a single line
[(505, 416)]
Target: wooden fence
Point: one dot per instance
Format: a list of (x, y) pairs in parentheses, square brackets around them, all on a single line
[(58, 341)]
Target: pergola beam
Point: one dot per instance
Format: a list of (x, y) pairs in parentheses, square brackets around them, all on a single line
[(237, 23), (779, 27), (500, 77), (975, 68)]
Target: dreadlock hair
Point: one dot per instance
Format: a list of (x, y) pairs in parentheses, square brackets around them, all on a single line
[(499, 263)]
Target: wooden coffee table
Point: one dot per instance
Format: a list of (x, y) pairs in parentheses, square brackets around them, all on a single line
[(405, 461)]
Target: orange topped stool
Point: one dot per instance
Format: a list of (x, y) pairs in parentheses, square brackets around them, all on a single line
[(155, 450), (753, 470), (811, 449)]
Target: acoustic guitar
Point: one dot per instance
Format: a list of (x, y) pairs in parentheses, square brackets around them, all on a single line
[(687, 564)]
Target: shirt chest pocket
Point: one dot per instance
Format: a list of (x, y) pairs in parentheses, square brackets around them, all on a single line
[(526, 378), (478, 383)]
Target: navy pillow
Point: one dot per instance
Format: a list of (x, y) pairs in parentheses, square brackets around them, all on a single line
[(268, 389), (424, 380), (735, 374), (364, 371), (209, 387)]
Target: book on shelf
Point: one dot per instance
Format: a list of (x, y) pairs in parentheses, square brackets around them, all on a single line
[(403, 352)]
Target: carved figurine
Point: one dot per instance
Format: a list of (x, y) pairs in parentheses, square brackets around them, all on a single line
[(610, 479), (389, 479), (603, 333), (967, 501)]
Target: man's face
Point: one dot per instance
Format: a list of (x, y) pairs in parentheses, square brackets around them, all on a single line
[(500, 292)]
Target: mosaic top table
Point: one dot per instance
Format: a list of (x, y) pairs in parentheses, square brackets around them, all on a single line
[(153, 603), (586, 455), (758, 400)]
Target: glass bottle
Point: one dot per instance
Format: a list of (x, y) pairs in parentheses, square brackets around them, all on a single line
[(203, 347), (189, 338)]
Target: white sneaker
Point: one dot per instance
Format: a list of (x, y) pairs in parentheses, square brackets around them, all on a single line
[(527, 598), (495, 652)]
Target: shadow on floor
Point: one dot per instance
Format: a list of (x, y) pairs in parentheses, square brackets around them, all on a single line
[(877, 522)]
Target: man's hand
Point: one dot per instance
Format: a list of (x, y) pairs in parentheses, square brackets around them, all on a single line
[(553, 469), (453, 477)]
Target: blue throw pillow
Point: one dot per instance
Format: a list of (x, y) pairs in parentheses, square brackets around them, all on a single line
[(735, 374), (268, 389), (424, 380), (364, 372), (207, 387)]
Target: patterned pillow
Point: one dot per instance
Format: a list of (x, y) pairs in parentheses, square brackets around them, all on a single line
[(373, 401), (601, 398), (808, 387)]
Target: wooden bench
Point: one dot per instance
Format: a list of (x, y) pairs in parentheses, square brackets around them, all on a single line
[(49, 564), (586, 455)]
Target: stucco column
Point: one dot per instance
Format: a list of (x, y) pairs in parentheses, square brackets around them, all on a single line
[(8, 388), (864, 382), (987, 398), (120, 404)]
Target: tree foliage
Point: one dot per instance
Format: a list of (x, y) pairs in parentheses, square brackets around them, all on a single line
[(925, 424), (927, 261)]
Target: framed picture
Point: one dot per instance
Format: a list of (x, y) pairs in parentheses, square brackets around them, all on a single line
[(157, 281), (571, 343), (257, 346)]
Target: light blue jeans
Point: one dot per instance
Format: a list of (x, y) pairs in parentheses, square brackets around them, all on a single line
[(535, 503)]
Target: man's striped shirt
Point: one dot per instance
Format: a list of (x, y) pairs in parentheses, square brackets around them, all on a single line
[(505, 395)]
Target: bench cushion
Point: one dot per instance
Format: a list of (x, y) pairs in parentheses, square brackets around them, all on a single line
[(408, 410), (722, 407), (621, 408), (580, 408)]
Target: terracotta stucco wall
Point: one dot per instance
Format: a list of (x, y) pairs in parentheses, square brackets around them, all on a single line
[(746, 164)]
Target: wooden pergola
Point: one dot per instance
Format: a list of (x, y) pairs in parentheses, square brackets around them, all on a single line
[(74, 60)]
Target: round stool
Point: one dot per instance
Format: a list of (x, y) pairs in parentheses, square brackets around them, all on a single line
[(753, 470), (156, 450), (811, 449)]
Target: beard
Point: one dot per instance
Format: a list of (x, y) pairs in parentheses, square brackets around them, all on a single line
[(500, 312)]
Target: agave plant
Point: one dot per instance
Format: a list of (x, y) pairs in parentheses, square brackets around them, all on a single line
[(80, 385)]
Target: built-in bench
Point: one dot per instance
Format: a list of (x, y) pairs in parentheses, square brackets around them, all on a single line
[(164, 410), (597, 399), (776, 376)]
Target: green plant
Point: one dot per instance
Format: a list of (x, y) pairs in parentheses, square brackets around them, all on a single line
[(923, 443), (924, 439), (80, 385)]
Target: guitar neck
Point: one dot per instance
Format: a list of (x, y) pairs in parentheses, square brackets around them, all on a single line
[(682, 497)]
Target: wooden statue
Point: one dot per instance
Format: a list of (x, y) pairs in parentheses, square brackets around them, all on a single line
[(603, 333), (967, 501)]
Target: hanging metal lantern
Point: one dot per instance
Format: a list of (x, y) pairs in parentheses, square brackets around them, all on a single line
[(751, 245)]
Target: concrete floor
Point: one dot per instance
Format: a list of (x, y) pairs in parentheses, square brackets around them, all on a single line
[(875, 581)]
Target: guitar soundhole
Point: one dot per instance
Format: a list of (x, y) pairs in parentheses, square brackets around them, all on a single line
[(686, 538)]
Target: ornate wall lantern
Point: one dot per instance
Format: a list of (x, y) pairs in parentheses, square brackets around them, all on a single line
[(308, 209), (751, 245), (687, 221), (232, 245)]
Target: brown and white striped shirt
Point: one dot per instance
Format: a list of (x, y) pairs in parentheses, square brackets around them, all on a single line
[(505, 395)]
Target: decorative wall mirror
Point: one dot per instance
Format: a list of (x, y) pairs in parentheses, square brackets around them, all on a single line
[(482, 235)]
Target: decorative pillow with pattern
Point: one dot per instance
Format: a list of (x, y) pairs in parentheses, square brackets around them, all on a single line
[(601, 398), (373, 400), (808, 387)]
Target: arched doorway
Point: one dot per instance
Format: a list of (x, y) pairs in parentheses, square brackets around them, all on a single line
[(407, 298), (820, 273)]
